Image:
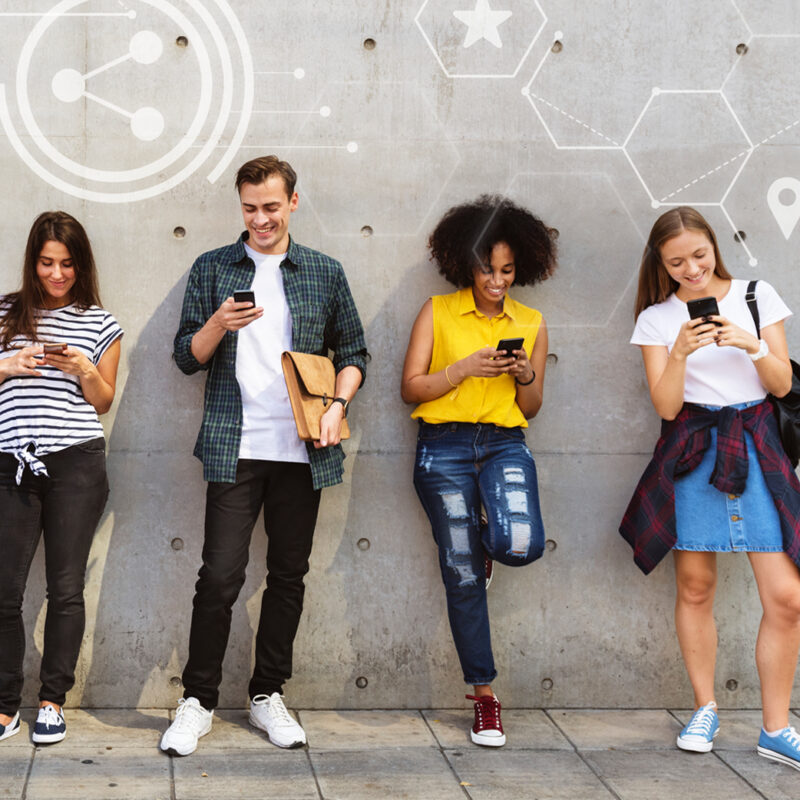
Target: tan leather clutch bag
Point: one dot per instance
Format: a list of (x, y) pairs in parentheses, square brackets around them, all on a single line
[(311, 381)]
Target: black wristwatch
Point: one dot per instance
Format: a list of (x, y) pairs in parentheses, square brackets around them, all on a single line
[(344, 403)]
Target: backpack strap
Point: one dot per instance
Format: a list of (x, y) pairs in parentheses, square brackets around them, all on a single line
[(750, 297)]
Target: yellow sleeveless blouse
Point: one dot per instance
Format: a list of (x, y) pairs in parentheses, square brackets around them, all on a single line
[(460, 329)]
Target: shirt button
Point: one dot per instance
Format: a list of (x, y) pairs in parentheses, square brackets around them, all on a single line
[(735, 518)]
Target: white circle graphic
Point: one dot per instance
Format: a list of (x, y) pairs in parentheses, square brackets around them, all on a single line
[(147, 124), (68, 85), (146, 47)]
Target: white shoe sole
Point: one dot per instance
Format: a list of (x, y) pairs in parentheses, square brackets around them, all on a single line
[(696, 747), (48, 738), (172, 750), (289, 745), (779, 757), (487, 741)]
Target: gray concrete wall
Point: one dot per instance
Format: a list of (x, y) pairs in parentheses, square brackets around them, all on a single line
[(597, 115)]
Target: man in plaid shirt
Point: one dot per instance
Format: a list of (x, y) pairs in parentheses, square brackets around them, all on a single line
[(248, 443)]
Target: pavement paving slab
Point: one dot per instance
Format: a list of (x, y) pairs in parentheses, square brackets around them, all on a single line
[(534, 775), (618, 730), (230, 730), (245, 775), (668, 775), (113, 727), (380, 773), (76, 772), (360, 730), (524, 728), (738, 730), (775, 781), (13, 767)]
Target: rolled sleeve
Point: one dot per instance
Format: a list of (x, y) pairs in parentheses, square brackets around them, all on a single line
[(346, 331)]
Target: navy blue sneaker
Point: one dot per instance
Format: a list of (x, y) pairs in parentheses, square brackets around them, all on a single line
[(9, 730), (783, 747), (699, 733), (50, 726)]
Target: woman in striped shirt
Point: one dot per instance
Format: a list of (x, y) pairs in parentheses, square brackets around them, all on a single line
[(59, 352)]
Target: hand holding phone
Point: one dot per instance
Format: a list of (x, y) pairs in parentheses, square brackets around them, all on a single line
[(245, 296), (55, 349)]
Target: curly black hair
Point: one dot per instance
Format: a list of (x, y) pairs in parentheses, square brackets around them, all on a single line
[(466, 234)]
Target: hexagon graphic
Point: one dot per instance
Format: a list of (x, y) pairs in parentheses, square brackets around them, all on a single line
[(687, 147), (771, 17), (586, 93), (764, 91), (581, 293), (396, 161), (480, 38)]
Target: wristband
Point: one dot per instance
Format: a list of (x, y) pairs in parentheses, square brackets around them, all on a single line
[(526, 383), (344, 403), (763, 350)]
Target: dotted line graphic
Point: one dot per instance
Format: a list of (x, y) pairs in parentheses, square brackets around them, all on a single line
[(574, 119), (730, 161)]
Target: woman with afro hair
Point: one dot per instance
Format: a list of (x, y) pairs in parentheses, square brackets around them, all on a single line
[(473, 400)]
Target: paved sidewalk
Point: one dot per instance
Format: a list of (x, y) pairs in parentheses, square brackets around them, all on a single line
[(419, 755)]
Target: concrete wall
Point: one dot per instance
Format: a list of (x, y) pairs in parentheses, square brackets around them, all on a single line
[(597, 115)]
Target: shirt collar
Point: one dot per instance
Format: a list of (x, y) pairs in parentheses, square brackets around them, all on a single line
[(466, 304), (293, 254)]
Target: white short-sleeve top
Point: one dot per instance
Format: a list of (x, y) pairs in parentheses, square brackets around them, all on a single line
[(718, 376)]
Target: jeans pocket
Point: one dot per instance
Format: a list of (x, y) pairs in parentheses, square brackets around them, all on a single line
[(430, 433), (96, 446)]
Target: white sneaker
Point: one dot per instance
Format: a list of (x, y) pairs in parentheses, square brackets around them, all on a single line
[(268, 713), (191, 722)]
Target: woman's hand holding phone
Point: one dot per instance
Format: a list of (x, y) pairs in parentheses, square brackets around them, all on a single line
[(23, 362), (729, 335)]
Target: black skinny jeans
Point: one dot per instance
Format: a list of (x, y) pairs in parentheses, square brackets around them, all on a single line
[(290, 504), (66, 507)]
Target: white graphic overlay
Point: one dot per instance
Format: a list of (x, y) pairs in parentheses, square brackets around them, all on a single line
[(786, 214), (482, 23), (183, 150)]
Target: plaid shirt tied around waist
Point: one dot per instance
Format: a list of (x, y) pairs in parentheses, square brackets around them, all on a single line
[(649, 522), (324, 317)]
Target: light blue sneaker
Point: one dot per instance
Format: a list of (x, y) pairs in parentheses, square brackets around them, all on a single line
[(783, 747), (699, 734)]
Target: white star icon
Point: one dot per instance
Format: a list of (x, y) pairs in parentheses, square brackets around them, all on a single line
[(482, 23)]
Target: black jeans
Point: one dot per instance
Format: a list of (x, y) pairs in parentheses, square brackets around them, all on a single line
[(66, 507), (290, 504)]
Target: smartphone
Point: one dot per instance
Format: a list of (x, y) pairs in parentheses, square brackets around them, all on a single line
[(244, 296), (55, 349), (703, 307), (509, 345)]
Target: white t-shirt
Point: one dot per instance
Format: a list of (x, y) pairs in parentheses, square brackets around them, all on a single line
[(718, 376), (269, 432)]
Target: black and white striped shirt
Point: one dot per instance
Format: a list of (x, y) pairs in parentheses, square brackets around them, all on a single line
[(46, 413)]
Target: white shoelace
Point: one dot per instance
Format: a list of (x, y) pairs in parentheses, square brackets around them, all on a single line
[(188, 715), (278, 711), (702, 721), (792, 736), (49, 716)]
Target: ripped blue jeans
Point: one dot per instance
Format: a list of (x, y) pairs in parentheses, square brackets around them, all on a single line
[(458, 466)]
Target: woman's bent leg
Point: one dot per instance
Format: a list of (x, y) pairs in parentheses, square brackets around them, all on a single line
[(445, 480), (20, 527), (696, 581), (73, 503), (510, 494), (779, 634)]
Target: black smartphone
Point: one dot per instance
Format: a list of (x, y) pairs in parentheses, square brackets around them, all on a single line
[(703, 307), (509, 345), (245, 296)]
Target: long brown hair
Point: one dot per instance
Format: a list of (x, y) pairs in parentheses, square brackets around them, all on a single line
[(655, 283), (57, 226)]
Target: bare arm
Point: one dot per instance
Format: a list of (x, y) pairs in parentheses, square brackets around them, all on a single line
[(330, 425), (529, 396)]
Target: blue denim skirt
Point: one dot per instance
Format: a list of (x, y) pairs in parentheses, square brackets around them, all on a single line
[(710, 520)]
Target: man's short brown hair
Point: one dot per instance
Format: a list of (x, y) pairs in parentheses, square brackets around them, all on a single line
[(259, 169)]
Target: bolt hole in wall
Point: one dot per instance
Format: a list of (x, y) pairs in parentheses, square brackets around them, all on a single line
[(362, 682), (174, 681), (182, 41), (739, 236), (363, 544), (369, 44), (547, 684), (177, 544), (552, 358), (551, 545), (366, 231), (557, 46), (732, 685), (179, 232), (741, 48)]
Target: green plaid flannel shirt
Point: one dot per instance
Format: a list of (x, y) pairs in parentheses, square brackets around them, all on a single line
[(324, 318)]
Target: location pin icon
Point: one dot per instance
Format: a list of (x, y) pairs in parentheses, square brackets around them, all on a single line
[(786, 214)]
